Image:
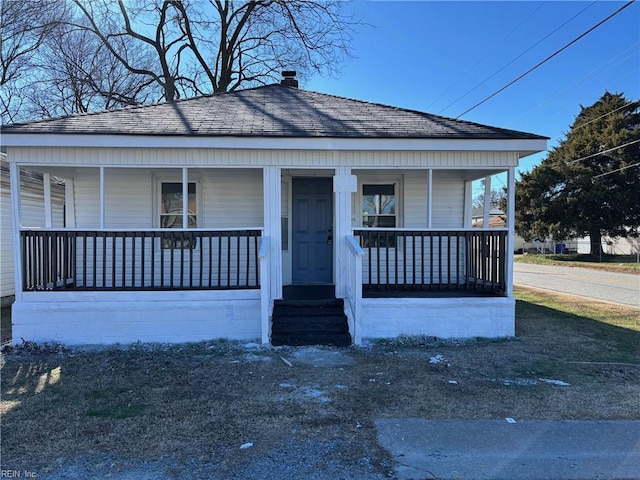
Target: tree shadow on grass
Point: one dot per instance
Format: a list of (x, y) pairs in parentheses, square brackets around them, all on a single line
[(611, 335)]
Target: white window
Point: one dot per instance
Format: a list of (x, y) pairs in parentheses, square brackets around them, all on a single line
[(171, 201), (379, 205)]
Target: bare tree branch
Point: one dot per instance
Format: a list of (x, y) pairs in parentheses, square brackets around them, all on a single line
[(132, 51)]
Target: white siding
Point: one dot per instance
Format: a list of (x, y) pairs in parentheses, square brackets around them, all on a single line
[(128, 198), (232, 198), (448, 199), (6, 241), (258, 158), (412, 196), (415, 199), (228, 198), (87, 198)]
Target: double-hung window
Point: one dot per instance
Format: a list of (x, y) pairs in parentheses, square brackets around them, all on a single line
[(378, 206), (379, 211), (171, 213)]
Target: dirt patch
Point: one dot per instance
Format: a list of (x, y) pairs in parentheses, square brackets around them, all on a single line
[(236, 410)]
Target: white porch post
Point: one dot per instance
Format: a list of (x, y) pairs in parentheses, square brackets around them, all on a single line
[(185, 197), (429, 198), (16, 209), (271, 248), (102, 197), (344, 184), (48, 215), (70, 206), (486, 207), (272, 228), (468, 203), (511, 219)]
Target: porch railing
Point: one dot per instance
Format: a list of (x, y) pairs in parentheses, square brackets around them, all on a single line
[(55, 260), (398, 260)]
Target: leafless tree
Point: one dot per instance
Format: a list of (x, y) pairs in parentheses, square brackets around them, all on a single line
[(197, 47), (24, 26), (78, 74), (69, 56)]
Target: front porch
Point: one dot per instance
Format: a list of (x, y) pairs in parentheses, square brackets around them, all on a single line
[(121, 286), (98, 279)]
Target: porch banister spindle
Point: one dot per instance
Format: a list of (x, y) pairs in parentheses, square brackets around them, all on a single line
[(228, 259), (172, 239), (237, 258), (84, 260), (201, 259), (255, 255), (219, 236), (248, 257), (124, 260), (133, 260), (25, 259), (430, 261), (422, 279), (153, 261), (113, 261), (46, 264), (182, 238), (449, 260), (386, 256), (104, 259), (161, 239)]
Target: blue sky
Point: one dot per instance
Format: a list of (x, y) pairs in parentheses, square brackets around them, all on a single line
[(425, 55)]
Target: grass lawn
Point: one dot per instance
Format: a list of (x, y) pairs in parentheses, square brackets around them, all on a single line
[(611, 263), (193, 405)]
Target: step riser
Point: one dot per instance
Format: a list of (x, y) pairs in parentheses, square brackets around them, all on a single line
[(342, 340), (329, 319), (308, 329), (331, 303), (310, 322), (306, 312)]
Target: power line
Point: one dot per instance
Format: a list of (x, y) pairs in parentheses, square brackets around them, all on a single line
[(547, 59), (516, 58), (615, 171), (578, 83), (573, 162), (485, 56)]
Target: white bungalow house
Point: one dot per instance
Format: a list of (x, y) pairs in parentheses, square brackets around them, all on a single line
[(34, 187), (284, 188)]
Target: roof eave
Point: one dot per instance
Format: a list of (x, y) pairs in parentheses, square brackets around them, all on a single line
[(525, 146)]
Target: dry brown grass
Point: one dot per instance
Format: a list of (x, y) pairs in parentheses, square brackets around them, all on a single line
[(196, 404)]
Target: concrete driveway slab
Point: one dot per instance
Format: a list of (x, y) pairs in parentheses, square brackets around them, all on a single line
[(497, 449)]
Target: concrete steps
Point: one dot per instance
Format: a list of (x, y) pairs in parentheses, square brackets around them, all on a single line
[(310, 322)]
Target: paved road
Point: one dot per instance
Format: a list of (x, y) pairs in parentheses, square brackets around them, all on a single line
[(623, 288), (524, 450)]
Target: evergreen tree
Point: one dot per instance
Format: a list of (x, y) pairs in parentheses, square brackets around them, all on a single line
[(589, 184)]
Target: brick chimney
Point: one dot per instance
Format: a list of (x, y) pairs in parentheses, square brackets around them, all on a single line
[(289, 79)]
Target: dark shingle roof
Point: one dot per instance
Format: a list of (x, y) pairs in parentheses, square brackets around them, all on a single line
[(268, 111)]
